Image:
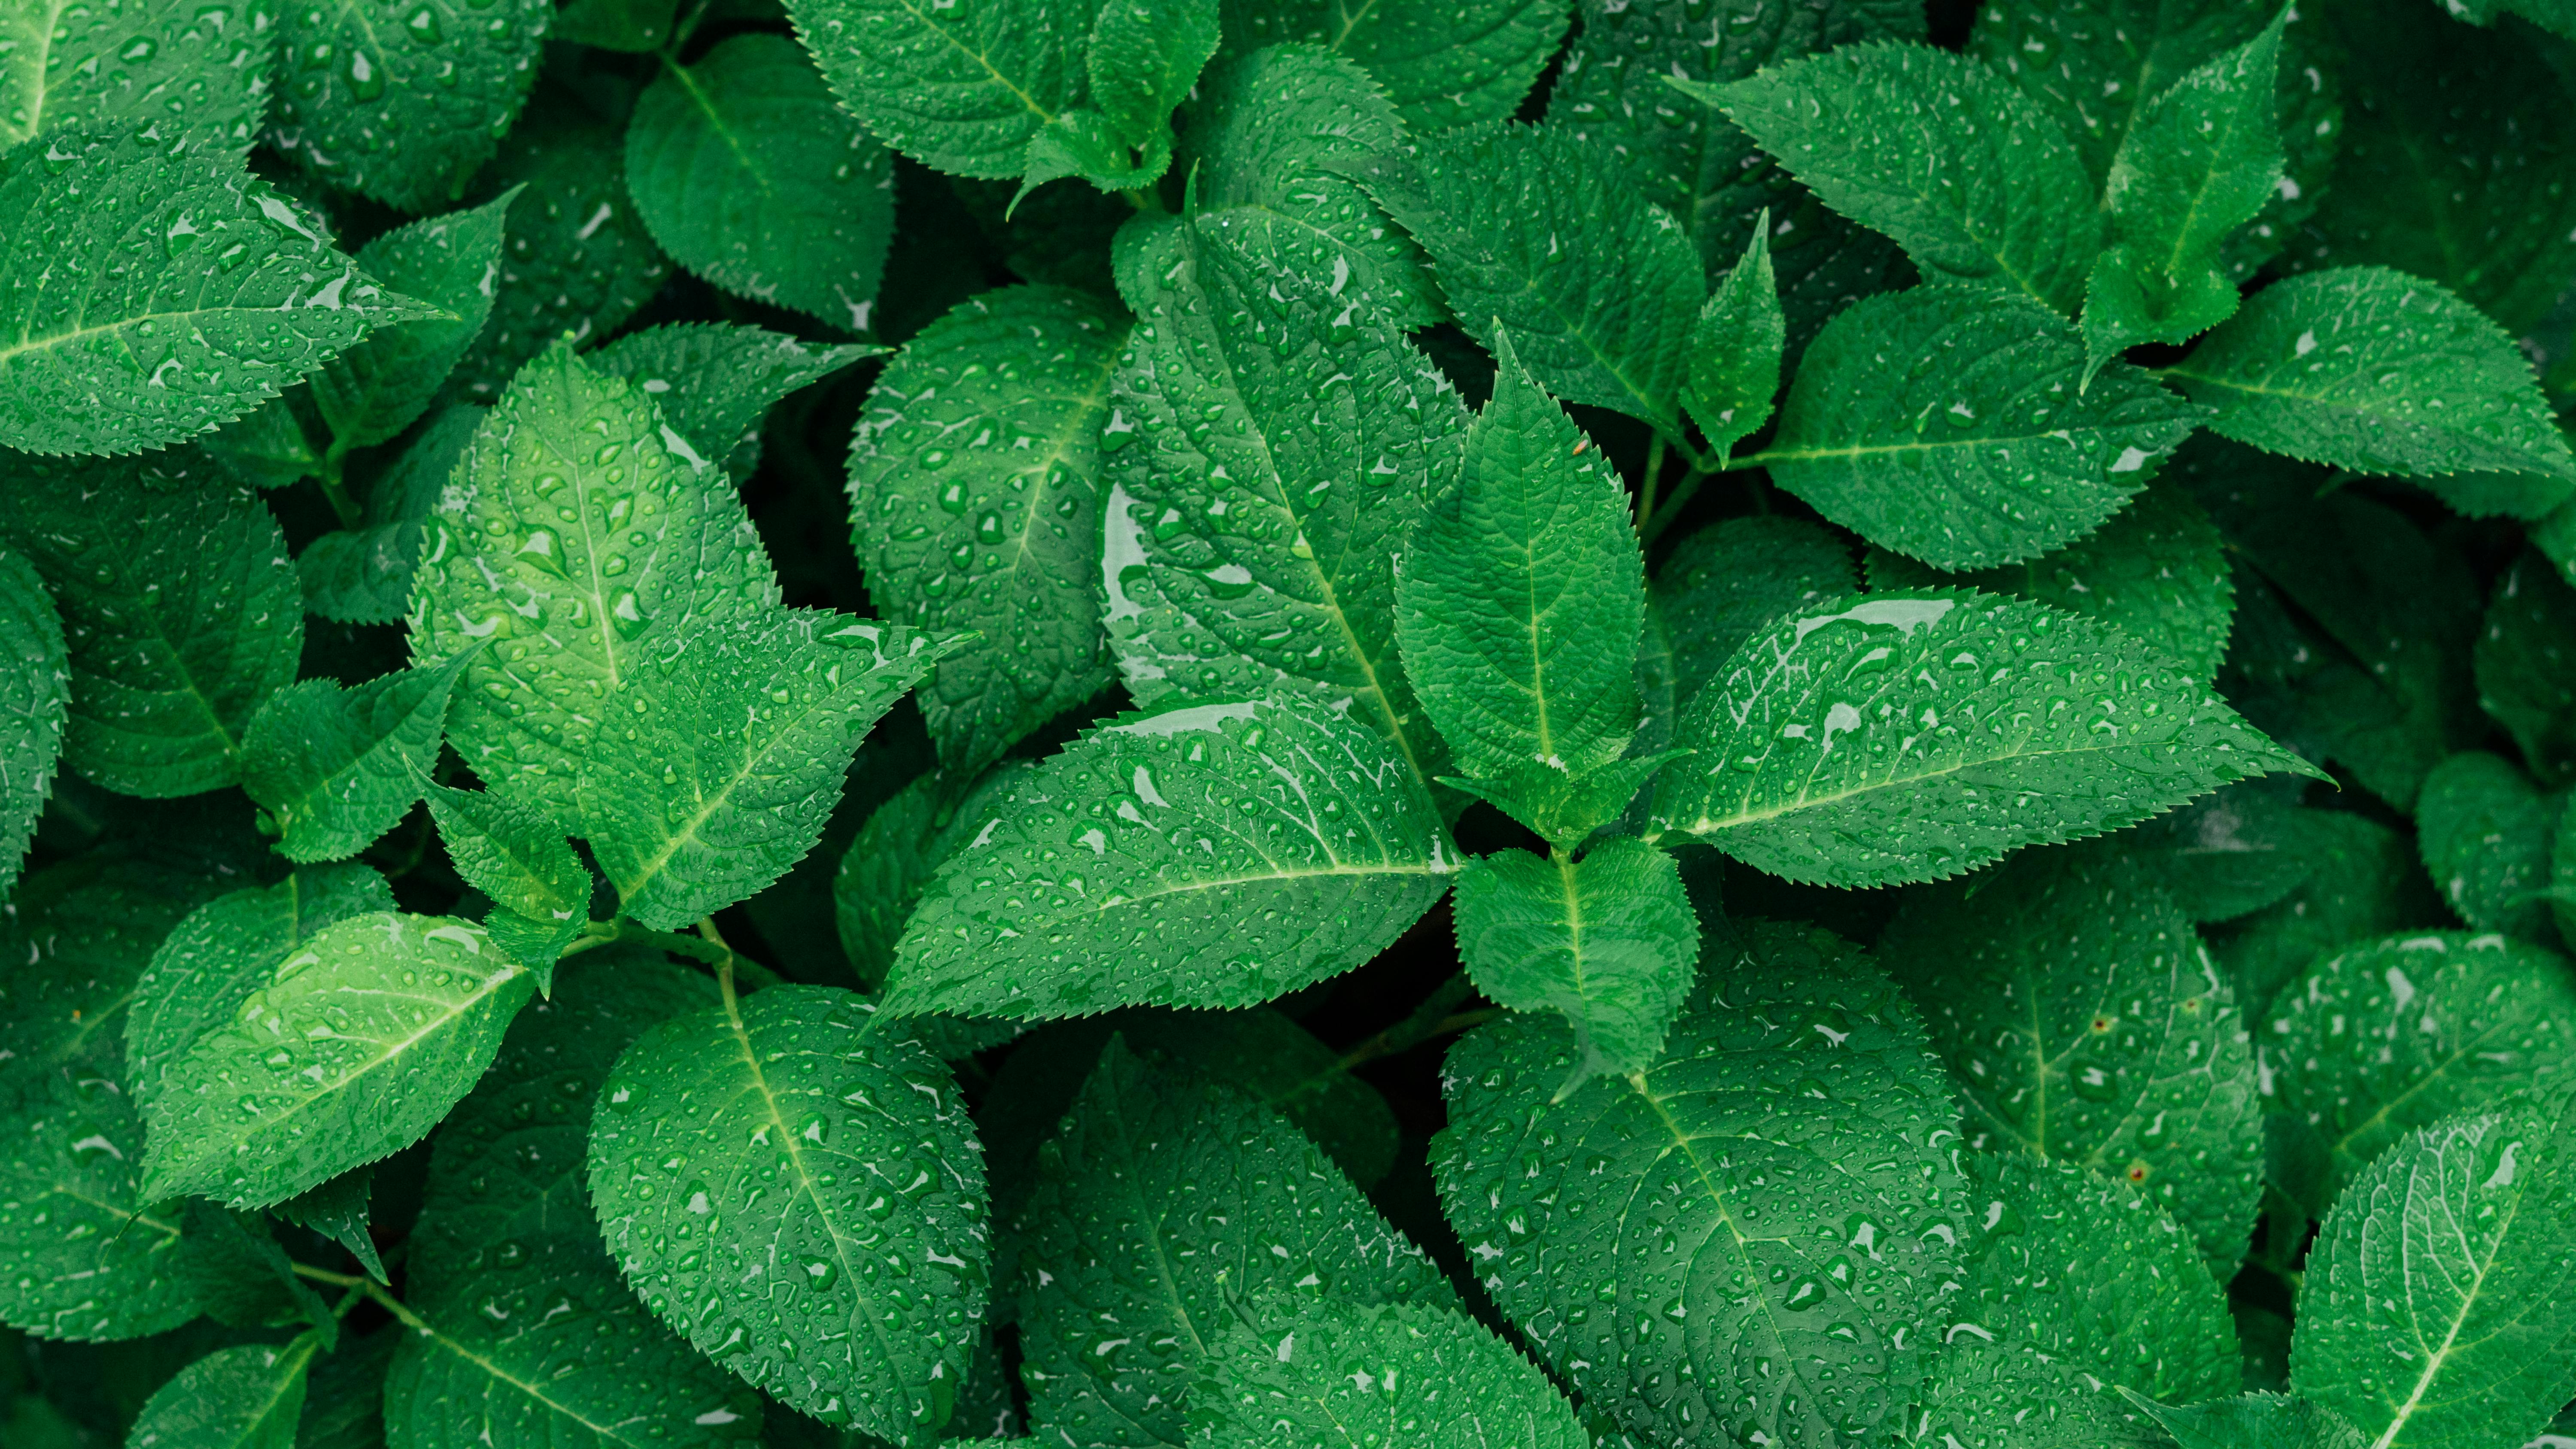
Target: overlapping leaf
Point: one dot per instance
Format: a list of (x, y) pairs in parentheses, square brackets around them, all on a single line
[(1340, 1375), (1442, 67), (401, 100), (1608, 941), (961, 89), (336, 768), (35, 692), (372, 392), (206, 67)]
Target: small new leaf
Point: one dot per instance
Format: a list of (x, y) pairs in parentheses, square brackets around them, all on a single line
[(335, 767), (1609, 941), (1735, 349), (373, 391)]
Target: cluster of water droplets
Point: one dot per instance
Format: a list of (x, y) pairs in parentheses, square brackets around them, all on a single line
[(404, 99)]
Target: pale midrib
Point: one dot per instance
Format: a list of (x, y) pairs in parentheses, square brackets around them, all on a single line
[(39, 59), (131, 1215), (1218, 883), (1717, 1200), (741, 154), (1874, 450), (1147, 1213), (302, 1351), (978, 57), (606, 1431), (1087, 404), (113, 540), (2434, 1359)]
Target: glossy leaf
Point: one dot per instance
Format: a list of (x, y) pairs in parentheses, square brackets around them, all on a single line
[(1442, 68), (234, 1398), (1735, 350), (2485, 829), (336, 768), (1609, 941), (962, 89), (35, 694), (207, 67), (401, 100), (372, 392), (715, 384), (1349, 1376)]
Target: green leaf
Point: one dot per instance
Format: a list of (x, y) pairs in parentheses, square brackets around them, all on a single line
[(2225, 855), (2392, 1035), (345, 1395), (962, 89), (2199, 161), (1735, 349), (2485, 830), (1338, 434), (2437, 1302), (241, 1277), (814, 1136), (1609, 941), (1736, 1184), (1163, 1202), (728, 751), (540, 890), (354, 1048), (634, 26), (2158, 569), (363, 575), (35, 695), (981, 440), (749, 175), (2257, 1421), (204, 66), (1534, 231), (567, 609), (180, 610), (1084, 142), (887, 867), (1908, 736), (2098, 66), (715, 382), (338, 1210), (402, 100), (370, 393), (2375, 371), (336, 768), (1519, 596), (2526, 665), (2363, 880), (233, 1398), (1260, 846), (272, 445), (227, 949), (1938, 152), (1442, 67), (1342, 1375), (1144, 58), (1989, 448), (1724, 582), (2007, 1393), (245, 298), (2084, 1023)]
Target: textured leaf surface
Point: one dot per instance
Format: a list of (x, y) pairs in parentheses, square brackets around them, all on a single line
[(1724, 582), (2484, 829), (960, 89), (2225, 855), (1780, 1269), (522, 861), (1144, 58), (147, 295), (232, 1263), (339, 767), (1989, 449), (1227, 854), (715, 383), (982, 439), (207, 67), (2437, 1302), (354, 1048), (2084, 1023), (1907, 736), (897, 852), (180, 611), (823, 1232), (376, 389), (363, 575), (1341, 1375), (749, 175), (2526, 665), (234, 1398), (566, 608), (1162, 1204), (2259, 1421), (1533, 228), (2376, 371), (1735, 350), (2363, 880), (35, 694), (1608, 941), (401, 100), (1442, 67)]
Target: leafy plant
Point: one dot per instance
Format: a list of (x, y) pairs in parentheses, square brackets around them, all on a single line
[(1529, 722)]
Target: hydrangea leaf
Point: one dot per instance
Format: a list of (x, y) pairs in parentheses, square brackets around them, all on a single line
[(1259, 846), (820, 1143), (1988, 449), (35, 697), (1724, 582), (962, 89), (245, 298), (370, 393), (1341, 1375), (1609, 941), (983, 439), (1912, 735), (1443, 68), (1781, 1244), (250, 1397), (2363, 880), (1165, 1200), (180, 611), (634, 26), (345, 1395), (363, 575), (2225, 855), (2098, 66), (1735, 349), (339, 1210), (540, 890), (2485, 829), (335, 767), (1144, 58), (402, 100), (233, 1265), (715, 382), (2257, 1421), (2085, 1023), (206, 67), (748, 174), (355, 1047), (896, 853), (2525, 665)]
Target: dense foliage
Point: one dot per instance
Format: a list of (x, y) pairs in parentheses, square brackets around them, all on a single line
[(1757, 723)]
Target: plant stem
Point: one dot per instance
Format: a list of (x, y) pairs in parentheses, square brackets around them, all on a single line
[(367, 1286), (724, 967), (1662, 518), (336, 493), (1646, 486), (1432, 1018)]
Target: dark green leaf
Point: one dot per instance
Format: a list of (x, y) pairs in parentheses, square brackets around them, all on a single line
[(2526, 665), (1723, 583), (715, 383), (1442, 67), (2485, 831), (401, 100), (1342, 1375), (962, 89), (204, 66), (35, 694), (373, 391), (1608, 941)]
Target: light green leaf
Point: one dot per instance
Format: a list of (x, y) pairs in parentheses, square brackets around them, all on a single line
[(234, 1398), (1519, 596), (1609, 941), (2391, 1035), (1534, 231), (180, 610), (1988, 449), (2084, 1023), (35, 694), (1084, 142), (727, 751), (961, 89), (354, 1048), (2199, 161), (205, 66), (2437, 1303), (566, 609), (1337, 434), (2008, 1393), (540, 890), (1724, 582), (981, 441), (1909, 736), (224, 951), (401, 100), (1937, 151), (715, 382), (363, 575), (1162, 1203), (1736, 1183), (2158, 569), (1144, 58), (2375, 371), (822, 1143), (2257, 1421), (335, 767), (1230, 853), (905, 841), (749, 175), (2485, 829), (1442, 67), (244, 298), (2363, 880), (2526, 665), (370, 393), (1341, 1375), (1735, 349)]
